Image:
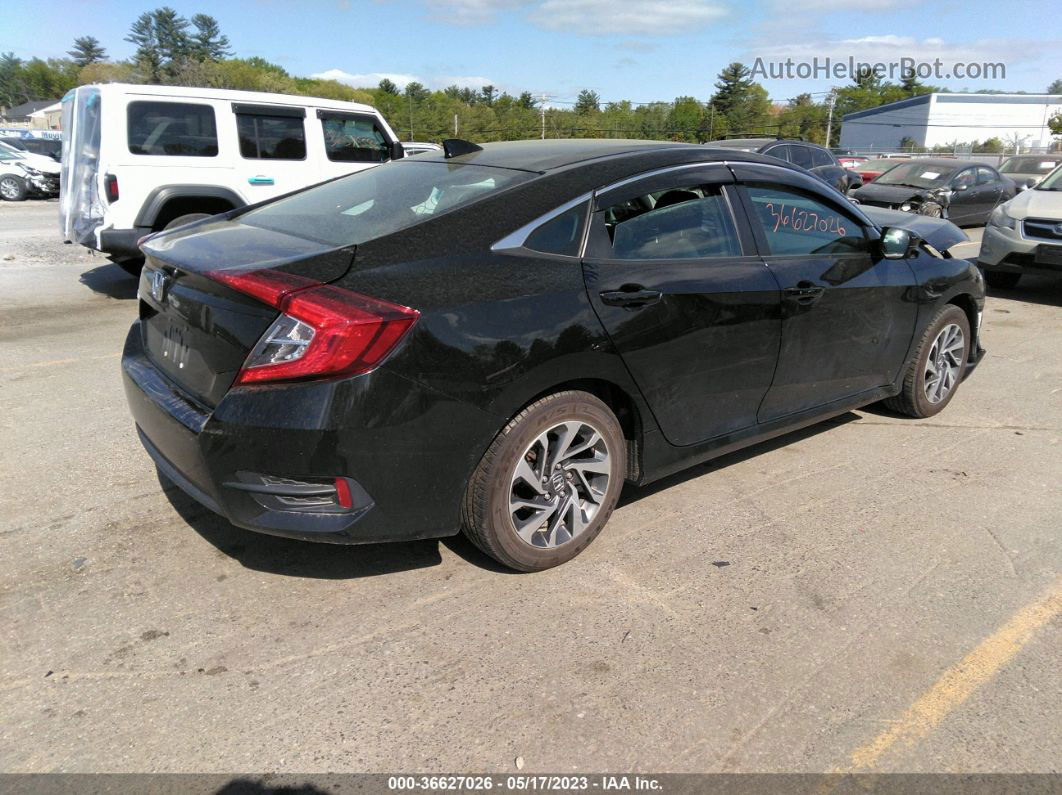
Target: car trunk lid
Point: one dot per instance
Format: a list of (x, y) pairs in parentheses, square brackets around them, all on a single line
[(197, 330)]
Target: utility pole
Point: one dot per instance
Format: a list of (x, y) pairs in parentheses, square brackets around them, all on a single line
[(543, 117), (829, 118), (410, 116), (455, 125)]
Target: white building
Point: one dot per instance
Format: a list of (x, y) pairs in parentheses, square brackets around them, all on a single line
[(937, 119)]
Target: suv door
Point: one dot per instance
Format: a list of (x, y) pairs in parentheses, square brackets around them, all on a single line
[(672, 273), (272, 150), (351, 141), (847, 314)]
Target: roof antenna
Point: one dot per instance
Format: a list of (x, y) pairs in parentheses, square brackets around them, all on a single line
[(455, 147)]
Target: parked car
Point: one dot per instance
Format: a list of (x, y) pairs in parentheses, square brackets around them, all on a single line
[(961, 191), (1027, 170), (1024, 235), (143, 158), (20, 178), (872, 169), (48, 147), (819, 160), (511, 332), (418, 147)]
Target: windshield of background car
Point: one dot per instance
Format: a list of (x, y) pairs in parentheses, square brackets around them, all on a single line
[(917, 175), (1029, 165), (1052, 181), (381, 200)]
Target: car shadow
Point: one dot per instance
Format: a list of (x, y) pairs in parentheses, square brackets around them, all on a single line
[(291, 558), (1033, 289), (110, 280), (632, 494)]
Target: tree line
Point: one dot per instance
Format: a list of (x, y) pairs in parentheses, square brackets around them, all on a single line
[(173, 50)]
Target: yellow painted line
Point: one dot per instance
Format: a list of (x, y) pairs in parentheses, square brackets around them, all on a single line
[(961, 680)]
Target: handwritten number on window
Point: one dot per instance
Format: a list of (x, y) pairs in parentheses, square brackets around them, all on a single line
[(804, 220)]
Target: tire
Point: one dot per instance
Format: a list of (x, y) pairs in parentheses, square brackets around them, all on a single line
[(921, 396), (1002, 280), (582, 495), (188, 218), (12, 188)]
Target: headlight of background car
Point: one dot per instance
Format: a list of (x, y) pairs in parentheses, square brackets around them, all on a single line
[(1000, 218)]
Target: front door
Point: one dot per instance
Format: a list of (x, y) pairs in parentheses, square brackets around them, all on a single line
[(672, 273), (847, 315)]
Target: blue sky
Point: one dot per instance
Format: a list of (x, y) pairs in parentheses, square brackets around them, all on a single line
[(642, 50)]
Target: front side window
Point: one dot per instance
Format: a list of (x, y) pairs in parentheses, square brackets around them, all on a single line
[(177, 129), (796, 224), (353, 139), (271, 137), (677, 223), (800, 156), (964, 179), (985, 176), (820, 157)]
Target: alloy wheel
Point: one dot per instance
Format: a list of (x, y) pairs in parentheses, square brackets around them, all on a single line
[(559, 484), (944, 364), (9, 189)]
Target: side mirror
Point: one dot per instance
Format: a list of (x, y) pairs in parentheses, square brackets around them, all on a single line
[(397, 152), (897, 243)]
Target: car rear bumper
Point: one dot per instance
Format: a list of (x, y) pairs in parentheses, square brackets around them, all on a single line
[(121, 242), (405, 480)]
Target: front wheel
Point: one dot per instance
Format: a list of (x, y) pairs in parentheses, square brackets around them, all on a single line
[(934, 374), (548, 483), (12, 188)]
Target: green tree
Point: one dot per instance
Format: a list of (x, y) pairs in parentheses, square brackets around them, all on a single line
[(148, 55), (487, 93), (587, 102), (208, 43), (388, 87), (739, 106), (1055, 87), (86, 50), (1055, 124), (171, 35)]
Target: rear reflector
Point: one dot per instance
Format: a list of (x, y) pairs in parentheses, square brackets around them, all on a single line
[(110, 185), (323, 331)]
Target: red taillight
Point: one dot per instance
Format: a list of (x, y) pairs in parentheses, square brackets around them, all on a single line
[(110, 186), (351, 333)]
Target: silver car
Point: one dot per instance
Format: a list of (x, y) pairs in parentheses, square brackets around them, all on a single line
[(1024, 235)]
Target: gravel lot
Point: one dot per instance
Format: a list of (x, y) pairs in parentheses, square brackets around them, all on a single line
[(801, 606)]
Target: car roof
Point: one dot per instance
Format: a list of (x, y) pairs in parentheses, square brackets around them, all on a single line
[(543, 156), (945, 161)]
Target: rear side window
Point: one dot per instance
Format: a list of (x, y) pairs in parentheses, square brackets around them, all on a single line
[(561, 235), (172, 128), (796, 224), (679, 223), (985, 176), (271, 137), (351, 138), (800, 156)]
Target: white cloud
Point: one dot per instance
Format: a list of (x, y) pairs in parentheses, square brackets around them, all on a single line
[(366, 79), (631, 17), (372, 79), (857, 6)]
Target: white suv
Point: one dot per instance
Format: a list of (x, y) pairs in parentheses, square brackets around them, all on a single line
[(137, 159), (1024, 235)]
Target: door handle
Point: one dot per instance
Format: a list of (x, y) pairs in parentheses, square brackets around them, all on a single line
[(260, 180), (804, 292), (631, 296)]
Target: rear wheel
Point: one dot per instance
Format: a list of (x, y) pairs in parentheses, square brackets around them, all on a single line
[(548, 483), (181, 220), (935, 372), (1002, 280), (12, 188)]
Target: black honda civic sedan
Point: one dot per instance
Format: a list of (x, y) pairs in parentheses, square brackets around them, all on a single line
[(494, 340)]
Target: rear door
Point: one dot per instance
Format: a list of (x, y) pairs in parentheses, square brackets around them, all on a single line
[(847, 315), (672, 273), (272, 154)]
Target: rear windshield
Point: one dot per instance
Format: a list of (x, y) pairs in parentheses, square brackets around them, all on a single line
[(1029, 165), (381, 200)]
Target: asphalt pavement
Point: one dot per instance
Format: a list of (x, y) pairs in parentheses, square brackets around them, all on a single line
[(872, 593)]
